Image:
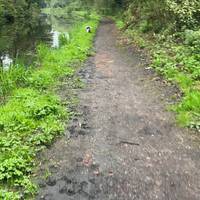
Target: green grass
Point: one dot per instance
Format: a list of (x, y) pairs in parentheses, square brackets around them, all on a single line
[(31, 114), (9, 80), (178, 62)]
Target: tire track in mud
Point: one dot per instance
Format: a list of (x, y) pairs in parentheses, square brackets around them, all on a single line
[(123, 144)]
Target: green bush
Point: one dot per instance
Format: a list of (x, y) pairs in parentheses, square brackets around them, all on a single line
[(192, 38), (189, 110), (7, 195), (145, 26)]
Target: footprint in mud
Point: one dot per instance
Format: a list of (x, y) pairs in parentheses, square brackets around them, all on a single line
[(79, 187), (149, 130), (79, 125), (70, 188), (82, 182)]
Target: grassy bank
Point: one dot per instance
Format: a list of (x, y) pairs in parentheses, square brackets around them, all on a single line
[(31, 114), (176, 58)]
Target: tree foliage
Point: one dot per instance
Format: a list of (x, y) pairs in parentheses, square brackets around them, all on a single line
[(154, 15), (11, 10), (158, 14)]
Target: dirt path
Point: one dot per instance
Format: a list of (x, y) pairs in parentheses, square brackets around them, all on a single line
[(125, 145)]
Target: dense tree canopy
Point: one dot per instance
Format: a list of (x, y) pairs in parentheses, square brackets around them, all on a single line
[(159, 13), (10, 10)]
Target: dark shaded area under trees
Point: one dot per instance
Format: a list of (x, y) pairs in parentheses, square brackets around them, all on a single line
[(10, 10)]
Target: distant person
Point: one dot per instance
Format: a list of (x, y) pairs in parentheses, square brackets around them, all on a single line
[(88, 29)]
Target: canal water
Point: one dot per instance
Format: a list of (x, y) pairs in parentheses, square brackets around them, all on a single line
[(18, 41)]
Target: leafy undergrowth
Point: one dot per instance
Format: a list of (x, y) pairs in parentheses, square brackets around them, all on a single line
[(175, 57), (180, 63), (33, 115)]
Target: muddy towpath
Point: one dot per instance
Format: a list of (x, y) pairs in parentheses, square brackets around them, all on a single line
[(123, 145)]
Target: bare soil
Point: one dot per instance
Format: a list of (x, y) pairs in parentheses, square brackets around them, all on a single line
[(123, 144)]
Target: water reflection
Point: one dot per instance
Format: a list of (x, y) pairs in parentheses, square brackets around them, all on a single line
[(18, 41), (55, 38), (59, 26), (6, 61)]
